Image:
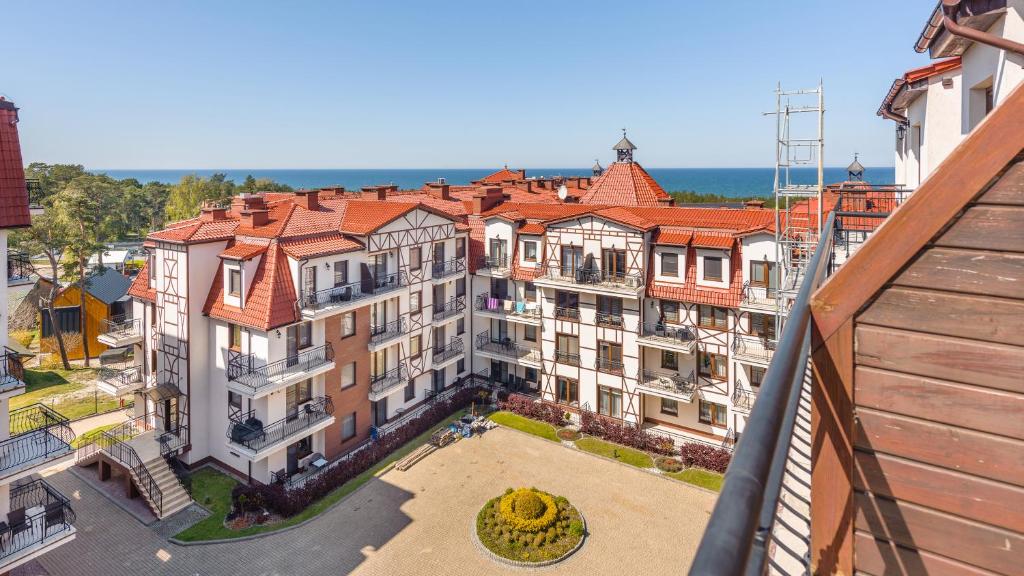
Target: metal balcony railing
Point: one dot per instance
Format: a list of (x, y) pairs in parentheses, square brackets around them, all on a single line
[(506, 347), (381, 383), (739, 536), (454, 348), (497, 264), (381, 333), (247, 430), (119, 327), (860, 210), (38, 433), (353, 291), (121, 377), (567, 358), (40, 513), (12, 372), (608, 365), (594, 277), (511, 308), (742, 398), (18, 267), (565, 313), (35, 192), (242, 371), (607, 319), (759, 296), (447, 268), (453, 307), (673, 382), (756, 348)]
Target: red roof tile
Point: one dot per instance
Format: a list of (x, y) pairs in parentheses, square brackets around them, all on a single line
[(673, 237), (363, 217), (713, 241), (322, 245), (504, 175), (14, 211), (625, 184), (270, 301), (243, 251), (532, 228), (689, 291), (140, 285)]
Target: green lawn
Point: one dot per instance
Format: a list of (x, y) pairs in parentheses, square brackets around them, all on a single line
[(698, 477), (218, 487), (620, 453), (542, 429), (69, 392), (87, 436)]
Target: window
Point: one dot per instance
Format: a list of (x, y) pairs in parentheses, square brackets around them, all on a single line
[(234, 282), (439, 380), (712, 366), (530, 251), (670, 264), (572, 259), (300, 336), (567, 349), (415, 257), (340, 272), (234, 336), (609, 311), (348, 427), (531, 291), (669, 360), (568, 391), (414, 346), (711, 413), (712, 317), (531, 375), (460, 366), (713, 268), (609, 357), (530, 333), (757, 375), (348, 375), (460, 326), (609, 402), (460, 247), (460, 287), (410, 390), (613, 263), (669, 407), (234, 400), (414, 302), (348, 324), (152, 270), (762, 274), (670, 311), (438, 252), (762, 325)]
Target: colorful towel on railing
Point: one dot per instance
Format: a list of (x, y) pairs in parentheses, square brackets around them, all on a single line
[(520, 307), (492, 303)]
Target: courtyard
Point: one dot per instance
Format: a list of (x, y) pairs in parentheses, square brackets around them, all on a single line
[(418, 521)]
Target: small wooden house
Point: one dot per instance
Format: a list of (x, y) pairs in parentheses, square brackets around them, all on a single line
[(106, 299)]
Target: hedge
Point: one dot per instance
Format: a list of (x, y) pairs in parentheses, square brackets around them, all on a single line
[(625, 433), (704, 456), (287, 503), (530, 408)]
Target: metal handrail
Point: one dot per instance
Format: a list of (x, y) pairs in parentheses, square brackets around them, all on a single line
[(353, 291), (55, 518), (591, 276), (384, 332), (669, 381), (263, 376), (455, 305), (568, 358), (448, 268), (493, 262), (507, 347), (381, 382), (19, 267), (565, 313), (121, 377), (454, 348), (116, 447), (608, 365), (121, 327), (37, 433), (11, 368), (759, 295), (737, 536), (246, 430), (681, 334), (742, 398), (485, 303), (607, 319)]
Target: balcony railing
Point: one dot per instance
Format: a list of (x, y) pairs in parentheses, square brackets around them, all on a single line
[(453, 307), (121, 328), (447, 268), (860, 209), (672, 382), (755, 348), (38, 434), (40, 515), (567, 358), (18, 267), (510, 308), (240, 370), (607, 319), (506, 347), (608, 365), (247, 430), (381, 333), (12, 372), (35, 192), (352, 292), (121, 378), (760, 296), (565, 313), (742, 398), (592, 277), (739, 536), (494, 264), (454, 348), (381, 383)]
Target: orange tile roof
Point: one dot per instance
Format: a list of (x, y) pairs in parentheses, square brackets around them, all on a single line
[(321, 245), (14, 210), (363, 217), (196, 231), (689, 291), (140, 285), (532, 228), (243, 251), (503, 175), (713, 241), (477, 234), (673, 237), (625, 184), (270, 301), (932, 69)]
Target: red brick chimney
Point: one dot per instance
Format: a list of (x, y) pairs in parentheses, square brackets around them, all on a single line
[(213, 213), (13, 193), (486, 199), (529, 185), (308, 199), (254, 218), (754, 204)]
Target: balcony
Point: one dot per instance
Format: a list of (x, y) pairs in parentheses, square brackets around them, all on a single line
[(41, 518), (608, 366), (759, 298), (496, 266), (444, 355), (247, 434), (257, 381), (19, 269), (665, 337), (450, 309), (567, 358), (120, 331), (668, 384), (385, 334), (592, 281), (743, 399), (383, 385), (35, 196), (753, 349), (347, 297), (448, 269), (40, 438), (510, 310), (608, 320), (506, 349), (12, 372), (568, 314), (120, 380)]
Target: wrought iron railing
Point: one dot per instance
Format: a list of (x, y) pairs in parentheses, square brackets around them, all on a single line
[(608, 319), (258, 378), (738, 537), (567, 358), (121, 377), (121, 327), (860, 209), (759, 295), (566, 313), (672, 382), (248, 431), (485, 303), (353, 291), (454, 348), (752, 347), (12, 371), (453, 307), (380, 383), (742, 398), (506, 347), (38, 512), (493, 263), (448, 268), (608, 365), (381, 333), (34, 187), (594, 277), (18, 266), (681, 335), (115, 443), (38, 434)]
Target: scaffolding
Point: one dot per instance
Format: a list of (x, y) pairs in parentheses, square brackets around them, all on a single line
[(799, 143)]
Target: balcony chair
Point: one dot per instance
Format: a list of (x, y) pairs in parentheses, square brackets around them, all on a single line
[(53, 516), (17, 522), (280, 477)]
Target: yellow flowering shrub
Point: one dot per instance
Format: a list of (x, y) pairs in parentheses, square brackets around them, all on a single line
[(507, 508)]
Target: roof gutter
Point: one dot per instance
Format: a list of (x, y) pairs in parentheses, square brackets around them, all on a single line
[(950, 9)]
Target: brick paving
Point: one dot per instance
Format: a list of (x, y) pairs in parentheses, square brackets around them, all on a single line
[(417, 522)]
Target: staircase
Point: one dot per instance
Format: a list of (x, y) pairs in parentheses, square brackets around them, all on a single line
[(174, 495)]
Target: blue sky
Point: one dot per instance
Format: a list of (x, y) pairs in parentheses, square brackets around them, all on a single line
[(445, 84)]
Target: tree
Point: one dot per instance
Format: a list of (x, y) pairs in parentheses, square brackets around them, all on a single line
[(53, 177), (188, 195)]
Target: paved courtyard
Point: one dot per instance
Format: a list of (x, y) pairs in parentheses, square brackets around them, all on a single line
[(418, 521)]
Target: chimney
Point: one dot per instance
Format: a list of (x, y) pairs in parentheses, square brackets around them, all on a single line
[(213, 213), (308, 199), (254, 218), (244, 202), (754, 204), (486, 199), (522, 174), (529, 186)]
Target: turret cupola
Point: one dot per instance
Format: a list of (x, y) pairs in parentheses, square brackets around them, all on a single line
[(624, 149)]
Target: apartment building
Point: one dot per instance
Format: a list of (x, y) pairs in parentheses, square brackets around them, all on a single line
[(936, 106), (34, 516)]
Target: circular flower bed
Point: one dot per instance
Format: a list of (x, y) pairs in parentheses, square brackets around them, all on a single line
[(666, 464), (530, 526), (568, 434)]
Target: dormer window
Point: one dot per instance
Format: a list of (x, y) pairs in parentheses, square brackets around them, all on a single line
[(530, 251), (234, 282), (713, 268), (670, 264)]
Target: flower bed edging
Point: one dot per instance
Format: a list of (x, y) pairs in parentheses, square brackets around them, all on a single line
[(519, 564)]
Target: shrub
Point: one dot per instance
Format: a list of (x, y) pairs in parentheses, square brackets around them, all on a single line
[(624, 433), (528, 505), (528, 407), (668, 464), (576, 528), (705, 456), (521, 519)]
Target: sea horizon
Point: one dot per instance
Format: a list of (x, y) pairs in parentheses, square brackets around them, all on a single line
[(729, 182)]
